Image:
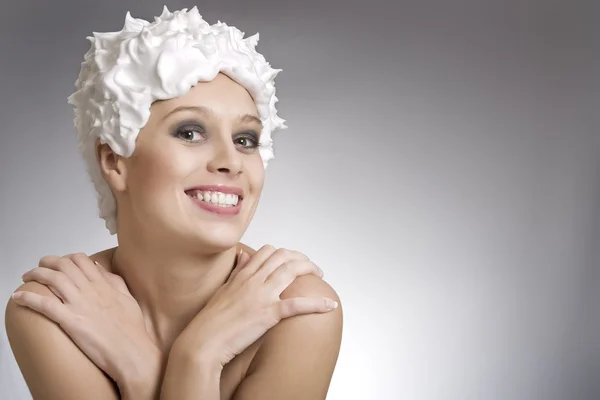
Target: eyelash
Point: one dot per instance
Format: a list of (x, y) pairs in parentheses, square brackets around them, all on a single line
[(252, 137)]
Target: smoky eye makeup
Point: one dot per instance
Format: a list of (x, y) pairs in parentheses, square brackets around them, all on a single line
[(185, 129), (192, 131), (250, 135), (188, 123)]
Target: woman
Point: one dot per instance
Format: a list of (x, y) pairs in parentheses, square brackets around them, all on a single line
[(174, 120)]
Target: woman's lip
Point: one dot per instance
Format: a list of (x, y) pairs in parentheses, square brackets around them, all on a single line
[(215, 209)]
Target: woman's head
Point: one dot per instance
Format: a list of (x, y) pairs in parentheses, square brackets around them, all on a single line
[(209, 136), (131, 80)]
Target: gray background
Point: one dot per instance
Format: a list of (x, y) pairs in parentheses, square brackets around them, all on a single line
[(442, 166)]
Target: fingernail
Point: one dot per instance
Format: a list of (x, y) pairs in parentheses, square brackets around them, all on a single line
[(16, 295), (96, 262), (321, 272), (331, 304)]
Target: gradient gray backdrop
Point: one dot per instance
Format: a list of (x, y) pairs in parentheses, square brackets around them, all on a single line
[(441, 165)]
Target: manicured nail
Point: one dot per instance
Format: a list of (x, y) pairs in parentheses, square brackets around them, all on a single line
[(331, 304)]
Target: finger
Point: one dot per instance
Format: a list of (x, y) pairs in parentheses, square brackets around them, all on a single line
[(86, 265), (60, 284), (66, 266), (113, 279), (56, 293), (276, 260), (256, 261), (283, 276), (242, 261), (50, 307), (303, 305), (23, 277)]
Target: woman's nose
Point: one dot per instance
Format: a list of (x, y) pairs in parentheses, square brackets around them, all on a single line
[(226, 158)]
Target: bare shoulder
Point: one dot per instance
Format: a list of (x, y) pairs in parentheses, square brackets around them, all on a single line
[(51, 363), (323, 328), (296, 358)]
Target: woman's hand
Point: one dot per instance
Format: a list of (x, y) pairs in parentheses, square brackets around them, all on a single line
[(99, 314), (248, 305)]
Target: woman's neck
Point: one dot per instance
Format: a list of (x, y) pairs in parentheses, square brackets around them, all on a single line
[(171, 288)]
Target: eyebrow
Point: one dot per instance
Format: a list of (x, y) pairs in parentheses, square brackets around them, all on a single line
[(208, 112)]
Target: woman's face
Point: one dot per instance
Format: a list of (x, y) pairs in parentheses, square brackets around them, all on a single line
[(209, 136)]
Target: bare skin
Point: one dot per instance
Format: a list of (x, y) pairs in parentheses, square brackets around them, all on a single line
[(234, 371), (174, 257)]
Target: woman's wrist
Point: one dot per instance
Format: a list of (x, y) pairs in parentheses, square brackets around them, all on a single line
[(200, 357), (191, 374), (195, 347), (142, 377)]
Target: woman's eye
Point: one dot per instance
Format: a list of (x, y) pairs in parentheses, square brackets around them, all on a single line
[(189, 134), (248, 142)]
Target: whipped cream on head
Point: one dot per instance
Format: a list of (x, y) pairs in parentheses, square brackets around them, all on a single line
[(124, 72)]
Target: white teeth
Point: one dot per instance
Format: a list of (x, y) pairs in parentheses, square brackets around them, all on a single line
[(218, 198)]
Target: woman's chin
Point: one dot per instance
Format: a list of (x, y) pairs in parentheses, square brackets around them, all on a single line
[(220, 239), (193, 233)]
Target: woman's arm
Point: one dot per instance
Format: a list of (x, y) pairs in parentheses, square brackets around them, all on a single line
[(191, 375), (262, 293), (296, 359), (89, 308), (53, 366)]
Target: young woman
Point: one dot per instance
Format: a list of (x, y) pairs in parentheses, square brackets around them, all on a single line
[(174, 120)]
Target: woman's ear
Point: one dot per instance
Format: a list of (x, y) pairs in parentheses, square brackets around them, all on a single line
[(112, 167)]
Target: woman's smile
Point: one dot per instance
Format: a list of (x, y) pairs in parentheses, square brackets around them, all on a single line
[(216, 202)]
